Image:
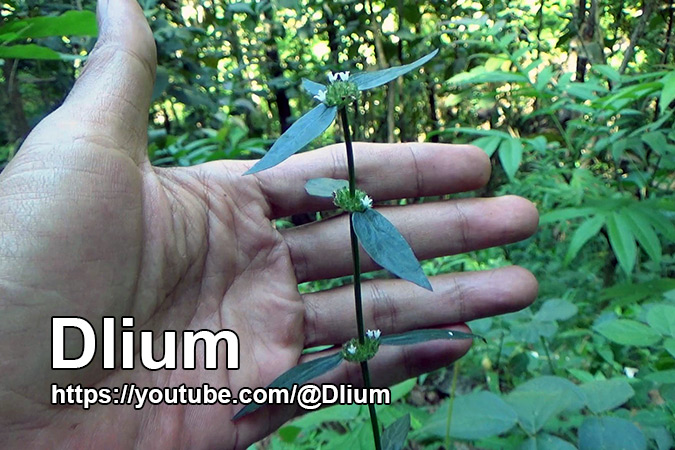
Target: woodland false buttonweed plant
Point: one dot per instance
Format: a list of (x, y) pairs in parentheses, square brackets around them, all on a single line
[(378, 237)]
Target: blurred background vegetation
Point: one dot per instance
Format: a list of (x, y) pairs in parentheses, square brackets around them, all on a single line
[(572, 100)]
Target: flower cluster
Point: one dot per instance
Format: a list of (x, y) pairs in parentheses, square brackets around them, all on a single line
[(357, 203), (353, 351), (340, 92)]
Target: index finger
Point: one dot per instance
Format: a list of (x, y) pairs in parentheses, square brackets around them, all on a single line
[(384, 171)]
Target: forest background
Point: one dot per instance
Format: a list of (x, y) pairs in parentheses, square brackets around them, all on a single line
[(572, 100)]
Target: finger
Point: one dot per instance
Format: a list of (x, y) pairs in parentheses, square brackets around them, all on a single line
[(322, 249), (109, 103), (384, 171), (395, 306)]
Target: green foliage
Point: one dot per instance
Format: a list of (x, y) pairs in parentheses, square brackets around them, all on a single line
[(565, 122)]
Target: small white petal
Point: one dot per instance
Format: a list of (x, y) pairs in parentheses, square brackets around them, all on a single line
[(367, 202), (351, 349), (344, 76), (332, 77), (377, 334), (450, 333), (321, 96)]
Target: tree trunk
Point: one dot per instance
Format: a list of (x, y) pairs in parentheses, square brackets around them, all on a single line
[(12, 104)]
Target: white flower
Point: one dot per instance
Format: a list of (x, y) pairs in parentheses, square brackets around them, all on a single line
[(373, 334), (630, 371), (351, 349), (367, 202), (321, 96), (342, 76)]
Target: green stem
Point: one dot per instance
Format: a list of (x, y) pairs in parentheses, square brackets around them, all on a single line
[(453, 390), (357, 276), (548, 355)]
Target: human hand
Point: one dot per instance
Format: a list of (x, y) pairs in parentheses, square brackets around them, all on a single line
[(89, 228)]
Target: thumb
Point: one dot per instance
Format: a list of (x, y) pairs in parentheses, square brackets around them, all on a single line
[(112, 95)]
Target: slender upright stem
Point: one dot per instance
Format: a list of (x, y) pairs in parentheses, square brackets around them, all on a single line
[(357, 275)]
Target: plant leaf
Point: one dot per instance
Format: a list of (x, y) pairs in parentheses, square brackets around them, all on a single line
[(369, 80), (297, 375), (608, 433), (312, 87), (302, 132), (586, 231), (538, 400), (628, 332), (394, 435), (622, 240), (662, 319), (382, 241), (417, 336), (29, 51), (604, 395), (324, 187), (668, 91), (488, 144), (643, 230), (477, 415), (70, 23), (510, 155)]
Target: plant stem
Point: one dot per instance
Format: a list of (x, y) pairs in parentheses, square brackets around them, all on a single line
[(451, 403), (357, 275)]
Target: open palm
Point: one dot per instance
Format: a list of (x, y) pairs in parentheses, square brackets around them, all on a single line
[(88, 228)]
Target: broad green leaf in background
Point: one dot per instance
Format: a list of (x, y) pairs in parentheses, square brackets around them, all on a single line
[(604, 395), (556, 309), (302, 132), (70, 23), (474, 416), (622, 240), (610, 433), (393, 437), (628, 332), (586, 231), (669, 345), (480, 75), (489, 144), (417, 336), (324, 187), (369, 80), (538, 400), (656, 140), (29, 51), (643, 230), (662, 319), (382, 241), (662, 377), (298, 375), (545, 441), (668, 91), (510, 155)]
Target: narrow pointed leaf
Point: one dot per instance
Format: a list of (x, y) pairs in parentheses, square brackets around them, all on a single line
[(302, 132), (645, 234), (312, 87), (417, 336), (324, 187), (510, 155), (394, 435), (369, 80), (622, 241), (382, 241), (297, 375), (586, 231)]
